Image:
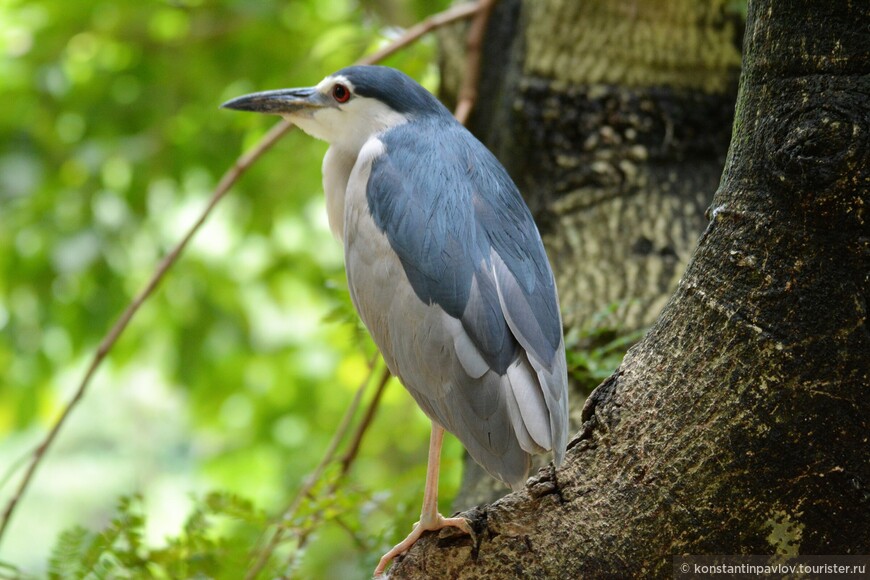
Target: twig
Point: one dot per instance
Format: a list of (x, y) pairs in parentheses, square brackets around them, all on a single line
[(470, 79), (311, 480), (353, 449), (357, 539), (14, 467), (433, 22), (226, 182)]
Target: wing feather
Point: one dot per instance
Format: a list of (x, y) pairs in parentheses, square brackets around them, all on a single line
[(553, 374), (468, 246), (530, 401)]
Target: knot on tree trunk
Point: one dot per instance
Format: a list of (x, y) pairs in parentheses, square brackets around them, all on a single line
[(815, 144)]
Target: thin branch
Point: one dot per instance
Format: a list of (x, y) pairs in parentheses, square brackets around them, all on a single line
[(354, 535), (350, 455), (468, 90), (314, 478), (226, 182), (14, 467), (356, 441), (433, 22)]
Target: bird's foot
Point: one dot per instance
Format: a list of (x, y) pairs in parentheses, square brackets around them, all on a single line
[(424, 525)]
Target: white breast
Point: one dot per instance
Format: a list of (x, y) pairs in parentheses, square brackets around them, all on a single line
[(337, 167)]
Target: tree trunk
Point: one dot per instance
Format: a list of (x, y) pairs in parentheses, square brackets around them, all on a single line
[(739, 424), (614, 119)]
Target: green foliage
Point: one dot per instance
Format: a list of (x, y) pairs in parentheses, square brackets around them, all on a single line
[(595, 351), (224, 535), (111, 553), (211, 544), (10, 571)]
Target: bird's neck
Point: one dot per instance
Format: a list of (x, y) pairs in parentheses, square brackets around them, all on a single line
[(337, 166)]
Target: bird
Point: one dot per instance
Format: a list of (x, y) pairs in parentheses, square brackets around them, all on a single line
[(445, 267)]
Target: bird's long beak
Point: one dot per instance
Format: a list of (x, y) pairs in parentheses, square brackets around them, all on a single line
[(280, 102)]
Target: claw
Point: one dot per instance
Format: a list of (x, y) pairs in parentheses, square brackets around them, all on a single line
[(436, 523)]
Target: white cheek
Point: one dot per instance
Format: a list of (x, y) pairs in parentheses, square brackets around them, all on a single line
[(324, 124)]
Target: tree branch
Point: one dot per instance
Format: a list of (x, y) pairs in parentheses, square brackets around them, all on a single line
[(314, 478), (738, 424), (468, 90), (351, 454), (460, 12)]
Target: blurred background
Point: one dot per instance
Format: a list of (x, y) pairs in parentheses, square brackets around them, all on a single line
[(233, 376)]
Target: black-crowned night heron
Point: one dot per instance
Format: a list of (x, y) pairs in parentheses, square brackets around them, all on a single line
[(445, 267)]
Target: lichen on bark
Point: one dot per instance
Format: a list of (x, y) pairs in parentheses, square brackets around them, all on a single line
[(682, 44)]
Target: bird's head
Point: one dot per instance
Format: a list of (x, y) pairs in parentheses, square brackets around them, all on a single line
[(349, 106)]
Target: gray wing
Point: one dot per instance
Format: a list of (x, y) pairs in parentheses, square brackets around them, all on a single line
[(468, 245)]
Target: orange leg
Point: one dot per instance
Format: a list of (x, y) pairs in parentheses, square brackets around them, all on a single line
[(430, 519)]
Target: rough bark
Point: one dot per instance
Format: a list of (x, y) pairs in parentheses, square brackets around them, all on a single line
[(614, 119), (739, 424)]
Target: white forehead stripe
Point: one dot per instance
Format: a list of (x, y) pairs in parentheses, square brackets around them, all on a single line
[(332, 80)]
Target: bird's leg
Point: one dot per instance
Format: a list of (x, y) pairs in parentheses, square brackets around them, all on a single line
[(430, 519)]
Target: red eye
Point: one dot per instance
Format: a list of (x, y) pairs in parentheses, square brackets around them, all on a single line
[(340, 93)]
